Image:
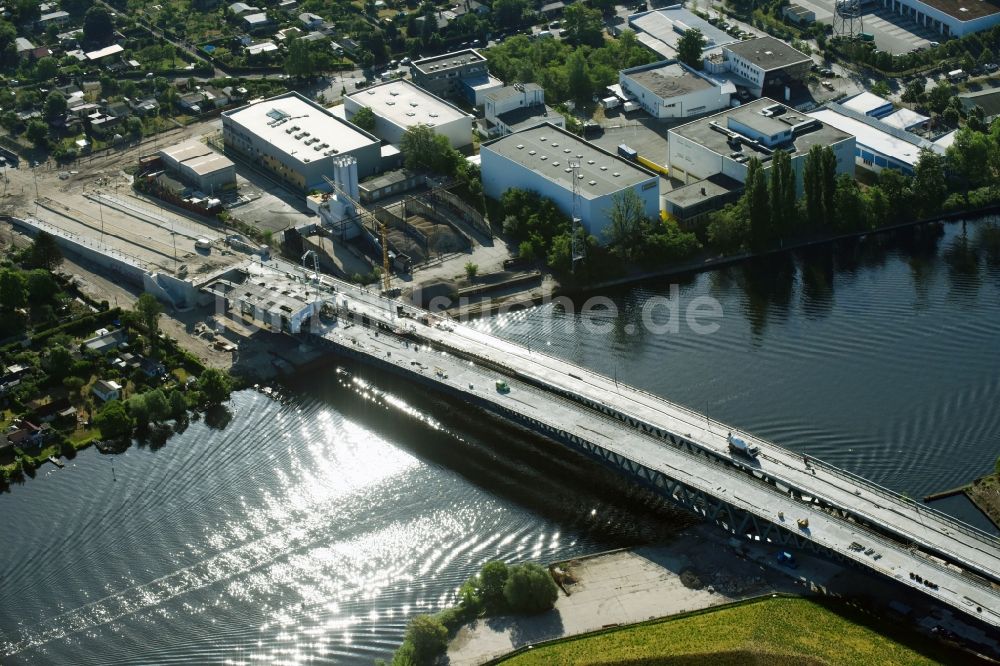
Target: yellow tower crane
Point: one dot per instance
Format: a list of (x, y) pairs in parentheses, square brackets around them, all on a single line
[(383, 231)]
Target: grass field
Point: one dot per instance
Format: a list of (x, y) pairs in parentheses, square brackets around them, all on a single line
[(774, 632)]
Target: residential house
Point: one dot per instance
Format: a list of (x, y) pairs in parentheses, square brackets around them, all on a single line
[(107, 390), (193, 102), (144, 107), (23, 46), (262, 48), (117, 109), (152, 368), (105, 340), (58, 18), (25, 434), (53, 410), (258, 22), (241, 8), (311, 21)]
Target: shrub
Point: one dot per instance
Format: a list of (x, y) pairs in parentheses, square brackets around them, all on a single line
[(427, 638), (530, 589), (492, 578)]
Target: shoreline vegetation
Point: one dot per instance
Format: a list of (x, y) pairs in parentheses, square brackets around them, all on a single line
[(76, 372), (498, 589), (984, 493)]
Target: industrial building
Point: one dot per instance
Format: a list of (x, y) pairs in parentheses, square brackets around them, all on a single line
[(660, 30), (725, 142), (952, 18), (399, 105), (878, 144), (767, 66), (295, 139), (868, 104), (520, 106), (671, 89), (274, 299), (446, 75), (200, 166), (550, 161)]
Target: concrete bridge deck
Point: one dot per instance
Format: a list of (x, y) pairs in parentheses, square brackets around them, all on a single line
[(683, 454)]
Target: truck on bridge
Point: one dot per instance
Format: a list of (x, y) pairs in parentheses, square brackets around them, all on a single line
[(737, 445)]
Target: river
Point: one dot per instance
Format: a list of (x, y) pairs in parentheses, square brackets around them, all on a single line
[(311, 529)]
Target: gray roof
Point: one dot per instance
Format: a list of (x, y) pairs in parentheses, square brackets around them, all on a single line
[(767, 53), (703, 133), (526, 116), (668, 81), (548, 150), (716, 185), (448, 60), (513, 91)]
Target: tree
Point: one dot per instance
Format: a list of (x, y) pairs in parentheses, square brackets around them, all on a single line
[(42, 288), (156, 403), (928, 185), (756, 204), (914, 92), (996, 466), (578, 79), (138, 410), (849, 205), (428, 637), (896, 188), (215, 386), (133, 127), (690, 47), (985, 57), (828, 183), (299, 60), (951, 116), (55, 105), (530, 589), (783, 194), (470, 270), (977, 119), (113, 421), (628, 212), (582, 26), (98, 27), (76, 7), (44, 252), (492, 578), (46, 69), (178, 405), (73, 384), (13, 289), (148, 311), (508, 13), (939, 96), (425, 150), (364, 118), (968, 155), (38, 133)]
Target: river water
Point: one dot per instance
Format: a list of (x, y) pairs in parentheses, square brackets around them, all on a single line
[(313, 529)]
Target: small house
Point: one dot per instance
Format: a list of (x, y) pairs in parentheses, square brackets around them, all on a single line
[(107, 390)]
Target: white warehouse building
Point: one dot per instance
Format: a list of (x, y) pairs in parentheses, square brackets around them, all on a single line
[(200, 166), (725, 142), (671, 89), (296, 139), (540, 159), (399, 105), (950, 18)]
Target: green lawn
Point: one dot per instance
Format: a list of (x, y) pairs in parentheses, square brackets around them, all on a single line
[(774, 632)]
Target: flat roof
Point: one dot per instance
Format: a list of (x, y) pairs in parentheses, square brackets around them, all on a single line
[(106, 51), (668, 79), (866, 102), (548, 151), (964, 10), (447, 61), (669, 24), (872, 137), (701, 131), (904, 119), (715, 185), (405, 104), (299, 127), (516, 90), (186, 150), (527, 116), (768, 53), (206, 164)]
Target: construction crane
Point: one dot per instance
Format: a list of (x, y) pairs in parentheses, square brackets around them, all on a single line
[(383, 231)]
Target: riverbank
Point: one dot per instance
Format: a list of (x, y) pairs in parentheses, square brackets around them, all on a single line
[(984, 493), (699, 264), (700, 568)]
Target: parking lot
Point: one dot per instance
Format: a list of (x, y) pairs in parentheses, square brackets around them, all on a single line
[(893, 33)]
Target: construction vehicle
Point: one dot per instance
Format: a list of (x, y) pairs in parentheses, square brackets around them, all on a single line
[(502, 386), (383, 231)]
